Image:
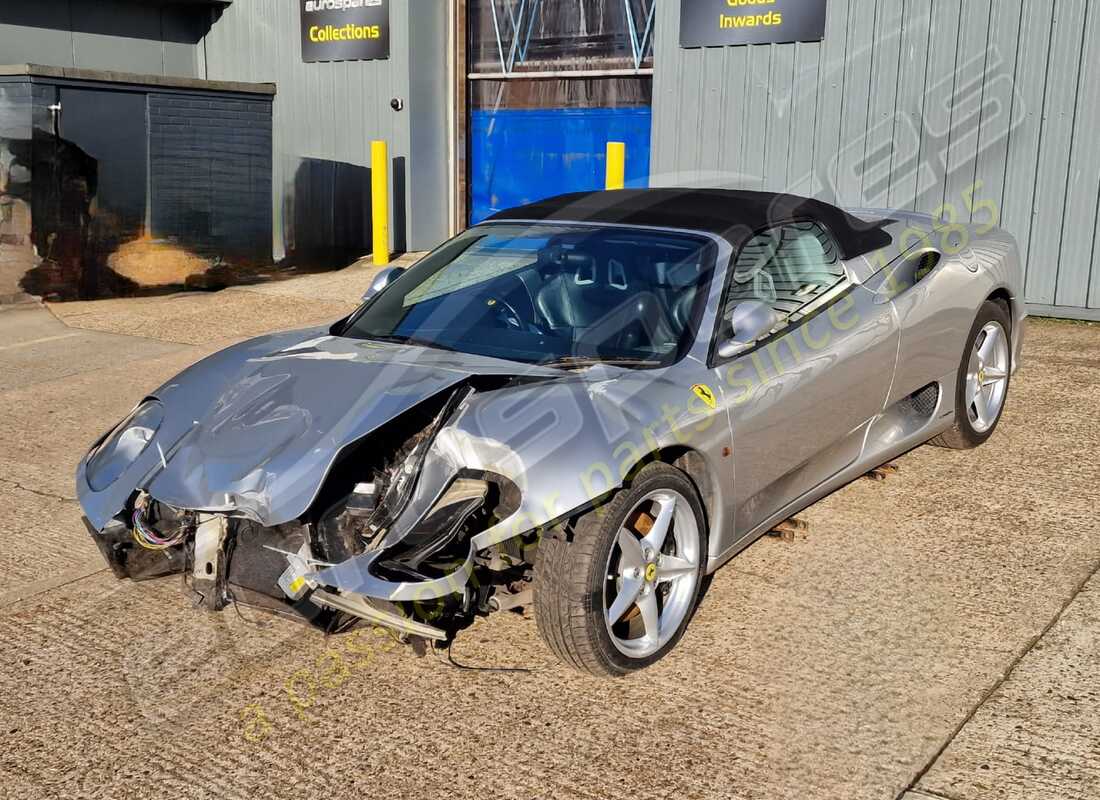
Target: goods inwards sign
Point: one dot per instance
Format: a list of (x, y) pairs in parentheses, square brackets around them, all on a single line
[(705, 23), (345, 30)]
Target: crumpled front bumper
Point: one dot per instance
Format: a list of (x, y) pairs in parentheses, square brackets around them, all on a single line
[(365, 609), (276, 573)]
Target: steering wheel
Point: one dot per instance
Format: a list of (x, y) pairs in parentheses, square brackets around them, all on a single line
[(504, 311)]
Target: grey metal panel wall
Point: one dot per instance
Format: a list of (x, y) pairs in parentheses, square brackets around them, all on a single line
[(971, 108), (330, 112), (26, 38), (118, 35), (428, 199)]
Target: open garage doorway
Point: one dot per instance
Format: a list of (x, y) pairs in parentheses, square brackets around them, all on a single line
[(549, 83)]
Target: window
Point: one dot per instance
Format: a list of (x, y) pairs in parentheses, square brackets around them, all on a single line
[(516, 36), (549, 293), (788, 267)]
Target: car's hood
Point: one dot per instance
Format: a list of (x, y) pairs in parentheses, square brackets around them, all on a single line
[(254, 429)]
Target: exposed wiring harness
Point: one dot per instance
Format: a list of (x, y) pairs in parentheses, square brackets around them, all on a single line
[(147, 536)]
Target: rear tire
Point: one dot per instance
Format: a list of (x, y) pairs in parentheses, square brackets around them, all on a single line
[(981, 387), (621, 563)]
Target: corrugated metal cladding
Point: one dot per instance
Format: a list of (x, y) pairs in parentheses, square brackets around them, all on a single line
[(119, 35), (982, 109), (325, 116)]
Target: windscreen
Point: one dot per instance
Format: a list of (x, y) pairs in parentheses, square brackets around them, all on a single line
[(550, 293)]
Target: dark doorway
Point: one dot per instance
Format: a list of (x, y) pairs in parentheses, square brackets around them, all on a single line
[(110, 127)]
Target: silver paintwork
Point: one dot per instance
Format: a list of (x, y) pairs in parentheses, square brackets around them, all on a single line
[(253, 430)]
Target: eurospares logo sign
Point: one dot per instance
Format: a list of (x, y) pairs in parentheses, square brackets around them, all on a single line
[(707, 23), (345, 30)]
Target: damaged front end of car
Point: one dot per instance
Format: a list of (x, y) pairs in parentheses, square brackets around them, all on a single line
[(388, 538)]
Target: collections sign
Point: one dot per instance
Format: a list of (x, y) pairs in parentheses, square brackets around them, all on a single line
[(345, 30), (705, 23)]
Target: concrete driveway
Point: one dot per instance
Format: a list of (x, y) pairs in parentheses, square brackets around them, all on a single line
[(935, 634)]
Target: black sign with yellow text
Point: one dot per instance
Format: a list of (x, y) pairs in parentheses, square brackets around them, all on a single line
[(706, 23), (345, 30)]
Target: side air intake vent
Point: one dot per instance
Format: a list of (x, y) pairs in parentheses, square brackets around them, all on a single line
[(912, 270), (924, 401)]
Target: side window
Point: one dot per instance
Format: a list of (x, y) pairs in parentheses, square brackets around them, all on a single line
[(788, 267)]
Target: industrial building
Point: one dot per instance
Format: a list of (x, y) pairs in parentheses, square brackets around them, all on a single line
[(152, 143)]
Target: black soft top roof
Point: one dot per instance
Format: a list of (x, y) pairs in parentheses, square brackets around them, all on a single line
[(734, 215)]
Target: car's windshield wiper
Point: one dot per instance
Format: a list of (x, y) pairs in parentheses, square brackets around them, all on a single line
[(395, 339), (587, 361)]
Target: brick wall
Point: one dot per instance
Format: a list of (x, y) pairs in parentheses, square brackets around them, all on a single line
[(210, 173)]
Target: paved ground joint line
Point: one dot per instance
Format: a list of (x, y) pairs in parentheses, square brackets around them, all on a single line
[(48, 585), (41, 340), (40, 493), (997, 684)]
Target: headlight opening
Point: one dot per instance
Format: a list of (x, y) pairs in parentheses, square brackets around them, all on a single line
[(124, 445)]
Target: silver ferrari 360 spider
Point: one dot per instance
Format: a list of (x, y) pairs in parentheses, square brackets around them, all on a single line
[(586, 405)]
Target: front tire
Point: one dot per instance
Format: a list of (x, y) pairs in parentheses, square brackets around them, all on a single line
[(618, 596), (982, 384)]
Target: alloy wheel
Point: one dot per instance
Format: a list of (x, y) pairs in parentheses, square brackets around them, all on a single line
[(987, 377), (652, 572)]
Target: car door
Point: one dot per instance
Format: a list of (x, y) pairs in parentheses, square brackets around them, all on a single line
[(800, 397)]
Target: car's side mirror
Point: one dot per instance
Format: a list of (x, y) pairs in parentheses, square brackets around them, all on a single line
[(384, 278), (732, 347), (750, 320)]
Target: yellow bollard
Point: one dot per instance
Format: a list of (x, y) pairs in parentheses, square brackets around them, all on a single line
[(616, 165), (380, 201)]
